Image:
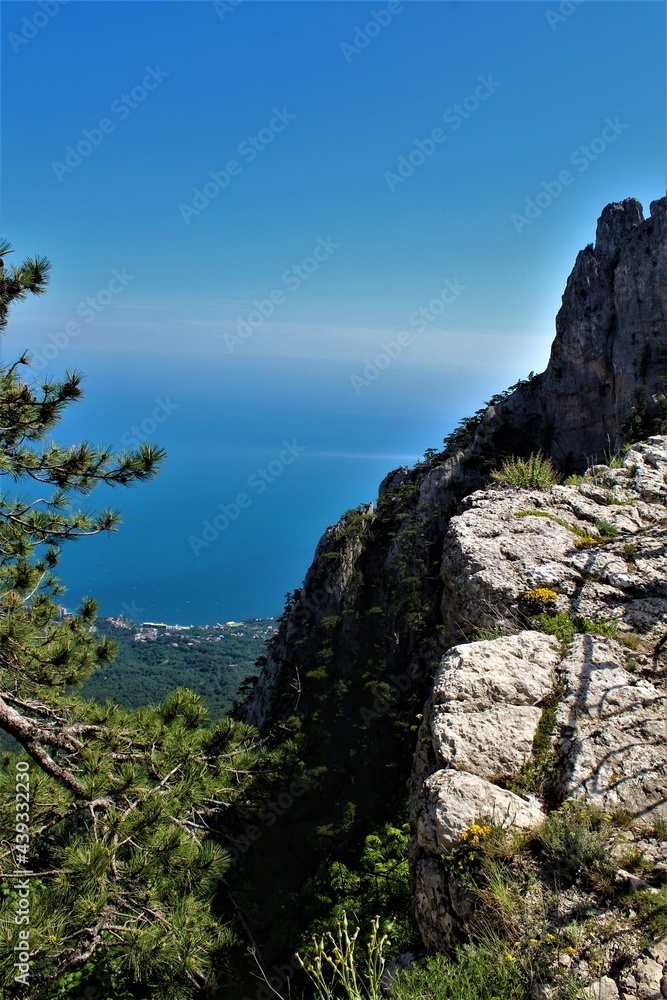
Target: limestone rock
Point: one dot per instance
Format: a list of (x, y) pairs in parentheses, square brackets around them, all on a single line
[(648, 974), (604, 989), (454, 800), (505, 543), (483, 713), (432, 909), (613, 731), (491, 744), (611, 723), (610, 338), (512, 670)]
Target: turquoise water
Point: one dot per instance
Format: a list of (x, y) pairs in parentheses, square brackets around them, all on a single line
[(258, 466)]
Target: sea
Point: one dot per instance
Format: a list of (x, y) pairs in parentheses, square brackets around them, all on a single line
[(259, 463)]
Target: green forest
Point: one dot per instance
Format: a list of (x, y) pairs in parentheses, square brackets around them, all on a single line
[(212, 661)]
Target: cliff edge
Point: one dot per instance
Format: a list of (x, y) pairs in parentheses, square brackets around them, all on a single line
[(423, 598)]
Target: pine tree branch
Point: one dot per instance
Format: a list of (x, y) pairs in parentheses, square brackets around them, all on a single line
[(38, 707), (29, 735)]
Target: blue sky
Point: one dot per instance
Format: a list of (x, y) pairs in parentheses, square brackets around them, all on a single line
[(219, 188)]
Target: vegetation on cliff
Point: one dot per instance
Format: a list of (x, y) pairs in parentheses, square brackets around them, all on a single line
[(112, 870), (173, 857)]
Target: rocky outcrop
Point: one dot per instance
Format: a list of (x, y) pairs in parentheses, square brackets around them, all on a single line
[(431, 580), (610, 339), (612, 729), (503, 544), (597, 552)]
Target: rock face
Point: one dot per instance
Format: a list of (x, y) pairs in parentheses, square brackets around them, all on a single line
[(482, 716), (399, 590), (610, 338), (612, 730), (611, 341)]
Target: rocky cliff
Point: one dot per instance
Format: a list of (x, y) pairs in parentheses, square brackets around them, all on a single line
[(610, 340), (608, 356), (390, 613), (593, 557)]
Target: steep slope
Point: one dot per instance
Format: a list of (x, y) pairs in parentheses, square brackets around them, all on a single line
[(587, 563), (610, 348), (610, 340), (360, 642)]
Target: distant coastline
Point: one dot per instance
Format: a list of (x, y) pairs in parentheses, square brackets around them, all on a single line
[(155, 658)]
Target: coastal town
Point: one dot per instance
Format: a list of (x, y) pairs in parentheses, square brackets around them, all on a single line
[(193, 635), (154, 658)]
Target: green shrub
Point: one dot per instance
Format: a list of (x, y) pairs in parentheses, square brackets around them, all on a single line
[(606, 530), (473, 973), (565, 626), (652, 911), (634, 860), (535, 472), (537, 776), (374, 881), (577, 840), (660, 828)]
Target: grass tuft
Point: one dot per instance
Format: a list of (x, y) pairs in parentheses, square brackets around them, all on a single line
[(535, 472)]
